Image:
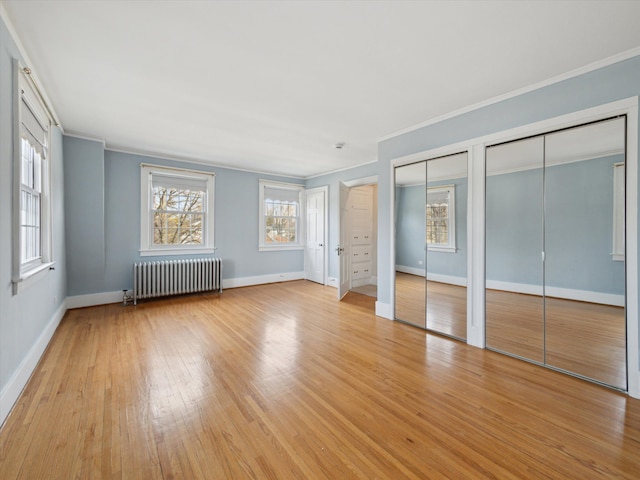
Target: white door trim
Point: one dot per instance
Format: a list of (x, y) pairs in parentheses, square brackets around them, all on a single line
[(475, 146), (325, 241)]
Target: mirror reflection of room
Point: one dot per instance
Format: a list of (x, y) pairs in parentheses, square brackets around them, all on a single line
[(410, 218), (555, 273), (431, 248)]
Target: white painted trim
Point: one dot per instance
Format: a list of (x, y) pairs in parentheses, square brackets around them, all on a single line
[(32, 276), (475, 235), (12, 390), (27, 60), (392, 244), (359, 182), (633, 340), (325, 241), (410, 270), (384, 310), (331, 172), (87, 137), (332, 282), (558, 292), (93, 299), (600, 112), (279, 248), (147, 248), (554, 164), (164, 252), (195, 161), (450, 247), (620, 57), (476, 247), (449, 279), (300, 232), (262, 279)]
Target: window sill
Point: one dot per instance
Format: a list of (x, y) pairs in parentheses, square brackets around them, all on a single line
[(32, 276), (275, 248), (161, 252), (442, 249)]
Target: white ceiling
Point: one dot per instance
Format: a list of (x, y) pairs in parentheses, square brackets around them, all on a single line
[(272, 86)]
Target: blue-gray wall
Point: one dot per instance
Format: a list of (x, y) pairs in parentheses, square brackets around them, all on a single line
[(115, 239), (607, 84), (411, 226), (578, 227), (411, 231), (23, 317)]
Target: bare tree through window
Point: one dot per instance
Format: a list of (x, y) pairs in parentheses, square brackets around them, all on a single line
[(178, 216)]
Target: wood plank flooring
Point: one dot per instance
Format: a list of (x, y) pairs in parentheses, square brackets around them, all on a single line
[(283, 382)]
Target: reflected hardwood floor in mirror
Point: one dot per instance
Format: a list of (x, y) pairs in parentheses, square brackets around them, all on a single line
[(446, 304), (282, 381), (583, 338), (410, 298)]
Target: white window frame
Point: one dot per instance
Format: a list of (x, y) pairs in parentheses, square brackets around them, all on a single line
[(147, 248), (617, 255), (26, 97), (268, 247), (450, 247)]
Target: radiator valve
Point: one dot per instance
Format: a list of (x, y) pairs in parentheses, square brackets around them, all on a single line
[(126, 299)]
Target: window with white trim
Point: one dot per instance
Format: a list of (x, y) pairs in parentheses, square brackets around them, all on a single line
[(32, 213), (440, 216), (177, 209), (280, 216)]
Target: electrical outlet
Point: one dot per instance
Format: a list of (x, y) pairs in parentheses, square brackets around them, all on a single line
[(55, 299), (420, 262)]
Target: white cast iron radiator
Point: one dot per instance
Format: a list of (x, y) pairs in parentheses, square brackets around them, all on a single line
[(173, 277)]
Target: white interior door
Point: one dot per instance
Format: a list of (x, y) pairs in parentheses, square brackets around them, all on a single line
[(343, 247), (315, 247)]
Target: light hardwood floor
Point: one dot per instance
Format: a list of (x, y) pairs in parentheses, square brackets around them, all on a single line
[(282, 381)]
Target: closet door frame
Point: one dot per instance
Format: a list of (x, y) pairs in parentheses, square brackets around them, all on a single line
[(476, 217)]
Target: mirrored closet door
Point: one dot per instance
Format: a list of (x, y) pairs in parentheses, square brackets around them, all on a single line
[(410, 223), (446, 241), (555, 272), (431, 244)]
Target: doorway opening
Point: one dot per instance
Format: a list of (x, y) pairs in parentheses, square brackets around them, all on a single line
[(359, 238)]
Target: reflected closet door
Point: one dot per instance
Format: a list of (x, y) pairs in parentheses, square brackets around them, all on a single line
[(410, 201), (514, 246), (584, 252), (446, 238)]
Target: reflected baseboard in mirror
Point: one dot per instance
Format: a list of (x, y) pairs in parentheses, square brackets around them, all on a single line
[(446, 313)]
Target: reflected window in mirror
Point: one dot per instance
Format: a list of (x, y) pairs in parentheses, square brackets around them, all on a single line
[(441, 232)]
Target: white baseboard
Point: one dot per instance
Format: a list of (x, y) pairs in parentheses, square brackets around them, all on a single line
[(262, 279), (384, 310), (332, 282), (450, 279), (558, 292), (527, 289), (12, 390), (93, 299), (410, 270)]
